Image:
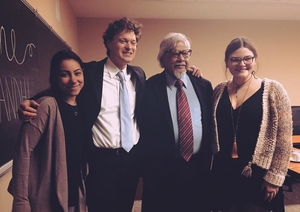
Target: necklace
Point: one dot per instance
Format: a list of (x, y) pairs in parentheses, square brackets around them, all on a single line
[(238, 86), (74, 108), (234, 153)]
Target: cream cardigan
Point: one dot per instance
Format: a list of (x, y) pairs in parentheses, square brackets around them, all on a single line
[(274, 142)]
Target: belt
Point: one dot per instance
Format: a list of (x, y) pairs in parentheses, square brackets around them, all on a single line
[(109, 151)]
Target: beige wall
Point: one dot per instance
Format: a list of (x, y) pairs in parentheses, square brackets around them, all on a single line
[(278, 44), (66, 27), (5, 197)]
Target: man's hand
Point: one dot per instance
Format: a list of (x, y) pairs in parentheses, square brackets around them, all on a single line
[(195, 71), (27, 110)]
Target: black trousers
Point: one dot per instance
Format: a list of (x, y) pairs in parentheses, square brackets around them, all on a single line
[(185, 189), (112, 180)]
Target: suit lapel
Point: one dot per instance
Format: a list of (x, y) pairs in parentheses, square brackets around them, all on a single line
[(139, 78), (201, 92), (199, 89), (161, 92), (97, 78)]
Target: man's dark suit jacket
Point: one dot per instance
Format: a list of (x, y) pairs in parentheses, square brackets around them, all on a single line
[(91, 93), (90, 102), (157, 128)]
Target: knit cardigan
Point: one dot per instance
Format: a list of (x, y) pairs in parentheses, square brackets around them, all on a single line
[(40, 182), (274, 142)]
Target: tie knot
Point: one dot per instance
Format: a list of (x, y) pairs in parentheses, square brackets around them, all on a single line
[(121, 76), (178, 84)]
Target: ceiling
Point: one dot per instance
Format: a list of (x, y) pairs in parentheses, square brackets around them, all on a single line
[(189, 9)]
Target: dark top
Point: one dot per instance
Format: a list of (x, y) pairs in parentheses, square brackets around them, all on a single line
[(74, 137), (248, 126)]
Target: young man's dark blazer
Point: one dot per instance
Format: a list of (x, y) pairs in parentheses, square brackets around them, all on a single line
[(90, 99), (91, 93)]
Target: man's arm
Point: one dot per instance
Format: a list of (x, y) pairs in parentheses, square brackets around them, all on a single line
[(27, 110)]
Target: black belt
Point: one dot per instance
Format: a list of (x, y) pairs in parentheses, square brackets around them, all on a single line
[(109, 151)]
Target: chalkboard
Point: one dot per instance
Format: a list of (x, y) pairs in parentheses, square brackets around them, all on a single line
[(27, 45)]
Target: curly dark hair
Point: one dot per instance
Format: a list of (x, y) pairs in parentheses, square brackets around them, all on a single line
[(118, 26)]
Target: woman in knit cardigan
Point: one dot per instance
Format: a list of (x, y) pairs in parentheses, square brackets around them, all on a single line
[(48, 160), (252, 135)]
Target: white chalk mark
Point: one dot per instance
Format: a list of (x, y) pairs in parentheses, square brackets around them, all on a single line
[(28, 49)]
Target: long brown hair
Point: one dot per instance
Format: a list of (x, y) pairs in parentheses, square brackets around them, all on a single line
[(237, 43)]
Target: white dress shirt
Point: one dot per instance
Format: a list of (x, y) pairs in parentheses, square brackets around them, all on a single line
[(107, 128)]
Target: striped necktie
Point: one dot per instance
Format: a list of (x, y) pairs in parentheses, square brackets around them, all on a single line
[(186, 136)]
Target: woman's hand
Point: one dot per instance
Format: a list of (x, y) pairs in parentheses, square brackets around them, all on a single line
[(270, 190)]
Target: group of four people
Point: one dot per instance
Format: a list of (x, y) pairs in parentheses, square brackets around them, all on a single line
[(197, 149)]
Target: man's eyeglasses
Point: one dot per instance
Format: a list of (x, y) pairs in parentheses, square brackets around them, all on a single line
[(237, 60), (185, 53)]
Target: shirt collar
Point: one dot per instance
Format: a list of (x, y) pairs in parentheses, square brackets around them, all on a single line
[(171, 79), (113, 69)]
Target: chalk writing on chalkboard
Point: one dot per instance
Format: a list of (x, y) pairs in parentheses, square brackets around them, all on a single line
[(12, 92), (28, 49)]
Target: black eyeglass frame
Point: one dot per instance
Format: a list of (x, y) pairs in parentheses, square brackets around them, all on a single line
[(185, 53), (237, 60)]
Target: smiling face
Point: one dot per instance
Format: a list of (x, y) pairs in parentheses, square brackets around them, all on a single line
[(122, 48), (240, 62), (70, 79), (176, 64)]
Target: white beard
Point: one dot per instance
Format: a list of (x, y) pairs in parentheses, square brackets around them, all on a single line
[(178, 75)]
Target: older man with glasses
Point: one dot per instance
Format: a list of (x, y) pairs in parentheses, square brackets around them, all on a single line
[(175, 132)]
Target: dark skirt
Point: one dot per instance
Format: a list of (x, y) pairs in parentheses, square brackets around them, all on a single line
[(230, 188)]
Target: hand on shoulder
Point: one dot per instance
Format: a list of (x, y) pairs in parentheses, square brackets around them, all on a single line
[(195, 71), (27, 110)]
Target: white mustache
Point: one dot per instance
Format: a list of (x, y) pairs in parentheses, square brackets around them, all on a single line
[(179, 64)]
